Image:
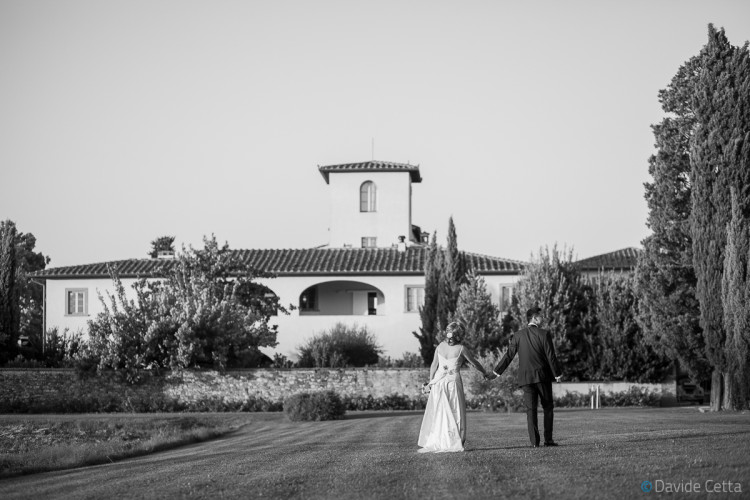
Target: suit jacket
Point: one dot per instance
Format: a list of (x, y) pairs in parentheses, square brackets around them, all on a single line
[(537, 358)]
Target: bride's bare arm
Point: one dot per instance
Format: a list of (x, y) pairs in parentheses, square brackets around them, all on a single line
[(434, 365), (473, 362)]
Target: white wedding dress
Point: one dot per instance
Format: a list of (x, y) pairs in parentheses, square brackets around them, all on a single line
[(444, 422)]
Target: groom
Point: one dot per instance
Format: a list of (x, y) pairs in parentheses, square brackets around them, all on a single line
[(537, 367)]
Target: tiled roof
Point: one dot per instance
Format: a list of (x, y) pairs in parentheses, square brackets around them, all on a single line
[(301, 262), (623, 259), (372, 166)]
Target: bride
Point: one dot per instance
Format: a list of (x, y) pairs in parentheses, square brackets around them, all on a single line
[(444, 422)]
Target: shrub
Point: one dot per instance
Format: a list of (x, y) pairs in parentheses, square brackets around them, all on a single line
[(389, 402), (206, 309), (635, 396), (501, 393), (479, 315), (573, 400), (320, 405), (408, 360), (339, 347)]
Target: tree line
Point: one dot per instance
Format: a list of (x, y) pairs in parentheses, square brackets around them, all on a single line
[(693, 274), (594, 321)]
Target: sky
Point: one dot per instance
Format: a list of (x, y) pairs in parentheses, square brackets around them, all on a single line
[(122, 121)]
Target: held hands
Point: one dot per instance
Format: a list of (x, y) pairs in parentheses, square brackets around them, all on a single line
[(558, 378)]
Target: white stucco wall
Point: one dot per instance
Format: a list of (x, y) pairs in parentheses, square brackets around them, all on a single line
[(392, 326), (393, 216), (55, 291)]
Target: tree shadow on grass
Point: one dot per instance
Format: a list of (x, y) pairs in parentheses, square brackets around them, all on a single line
[(381, 414), (494, 448)]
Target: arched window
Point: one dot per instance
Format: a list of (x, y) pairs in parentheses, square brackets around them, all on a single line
[(367, 196)]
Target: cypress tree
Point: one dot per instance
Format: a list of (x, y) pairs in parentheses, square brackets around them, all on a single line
[(736, 306), (622, 351), (428, 332), (718, 104), (668, 312), (479, 315), (451, 278), (9, 297)]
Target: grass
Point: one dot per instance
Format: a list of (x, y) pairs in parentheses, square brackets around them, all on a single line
[(605, 453), (45, 443)]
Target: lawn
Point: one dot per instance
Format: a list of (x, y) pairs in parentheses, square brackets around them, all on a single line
[(604, 453), (34, 443)]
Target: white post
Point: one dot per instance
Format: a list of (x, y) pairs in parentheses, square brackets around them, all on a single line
[(591, 391), (597, 397)]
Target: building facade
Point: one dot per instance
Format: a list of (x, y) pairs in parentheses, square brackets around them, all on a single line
[(370, 274)]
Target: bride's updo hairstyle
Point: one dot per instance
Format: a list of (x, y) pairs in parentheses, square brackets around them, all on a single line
[(454, 332)]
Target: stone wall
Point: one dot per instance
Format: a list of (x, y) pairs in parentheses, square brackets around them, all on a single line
[(63, 390), (274, 385), (41, 390)]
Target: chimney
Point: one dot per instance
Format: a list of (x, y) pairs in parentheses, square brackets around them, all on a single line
[(401, 243), (425, 237)]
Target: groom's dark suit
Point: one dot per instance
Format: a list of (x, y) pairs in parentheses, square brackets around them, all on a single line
[(537, 367)]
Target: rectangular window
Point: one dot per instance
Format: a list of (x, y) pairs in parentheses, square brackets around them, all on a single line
[(506, 294), (414, 298), (76, 301), (369, 242), (372, 303)]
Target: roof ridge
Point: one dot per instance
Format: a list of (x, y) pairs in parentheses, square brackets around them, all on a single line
[(300, 261), (637, 249), (493, 257)]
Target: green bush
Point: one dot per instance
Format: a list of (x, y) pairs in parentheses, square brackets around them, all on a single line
[(408, 360), (573, 400), (205, 310), (501, 393), (635, 396), (53, 350), (389, 402), (320, 405), (339, 347)]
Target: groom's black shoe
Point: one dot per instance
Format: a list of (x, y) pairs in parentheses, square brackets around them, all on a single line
[(550, 443)]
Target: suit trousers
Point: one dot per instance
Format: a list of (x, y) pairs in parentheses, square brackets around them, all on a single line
[(532, 393)]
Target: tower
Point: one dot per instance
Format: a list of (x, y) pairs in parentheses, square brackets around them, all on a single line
[(371, 203)]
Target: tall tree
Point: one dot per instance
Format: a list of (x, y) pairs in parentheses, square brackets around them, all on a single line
[(479, 315), (621, 350), (10, 318), (552, 282), (30, 294), (428, 332), (736, 301), (668, 312), (720, 109), (451, 278)]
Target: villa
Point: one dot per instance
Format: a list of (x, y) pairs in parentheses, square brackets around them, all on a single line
[(370, 274)]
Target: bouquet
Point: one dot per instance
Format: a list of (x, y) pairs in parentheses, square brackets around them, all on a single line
[(426, 388)]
